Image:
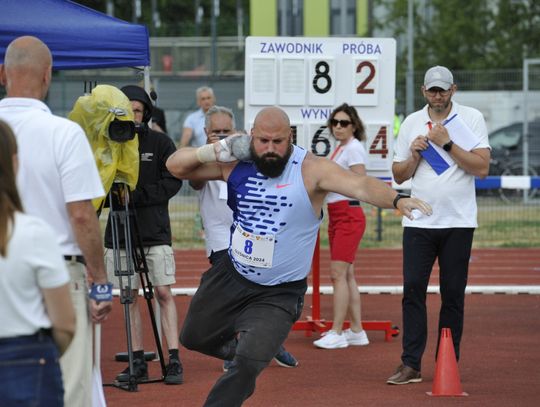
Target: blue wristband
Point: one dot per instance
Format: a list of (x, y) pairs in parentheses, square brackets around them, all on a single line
[(101, 292)]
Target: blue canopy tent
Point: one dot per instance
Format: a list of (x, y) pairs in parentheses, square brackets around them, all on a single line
[(78, 37)]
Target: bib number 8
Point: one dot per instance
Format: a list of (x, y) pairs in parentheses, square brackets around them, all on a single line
[(248, 248)]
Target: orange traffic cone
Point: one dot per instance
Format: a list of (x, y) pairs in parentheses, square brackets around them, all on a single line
[(446, 381)]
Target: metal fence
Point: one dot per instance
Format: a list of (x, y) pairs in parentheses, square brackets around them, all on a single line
[(180, 65)]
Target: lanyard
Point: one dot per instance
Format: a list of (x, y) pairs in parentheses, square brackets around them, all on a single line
[(336, 151)]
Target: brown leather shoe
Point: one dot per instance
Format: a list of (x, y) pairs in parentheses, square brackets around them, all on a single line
[(405, 375)]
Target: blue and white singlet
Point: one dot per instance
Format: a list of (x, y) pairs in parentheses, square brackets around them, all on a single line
[(274, 226)]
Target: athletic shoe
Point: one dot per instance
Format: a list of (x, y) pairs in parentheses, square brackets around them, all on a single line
[(140, 372), (174, 372), (356, 338), (227, 365), (405, 375), (285, 359), (331, 340)]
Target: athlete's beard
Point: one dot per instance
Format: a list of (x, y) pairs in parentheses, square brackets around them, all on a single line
[(270, 164)]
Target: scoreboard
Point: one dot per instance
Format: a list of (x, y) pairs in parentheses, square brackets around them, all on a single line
[(309, 77)]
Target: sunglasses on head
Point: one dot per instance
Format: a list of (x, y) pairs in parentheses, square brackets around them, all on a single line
[(342, 123)]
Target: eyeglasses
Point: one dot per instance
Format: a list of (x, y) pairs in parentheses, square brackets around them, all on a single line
[(220, 131), (342, 123), (433, 92)]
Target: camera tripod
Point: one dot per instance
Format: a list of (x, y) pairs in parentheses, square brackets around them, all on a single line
[(125, 229)]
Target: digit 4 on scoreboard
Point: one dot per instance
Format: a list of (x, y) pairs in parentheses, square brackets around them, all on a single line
[(380, 139)]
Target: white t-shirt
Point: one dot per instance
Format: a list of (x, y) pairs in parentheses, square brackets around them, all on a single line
[(352, 153), (56, 165), (452, 194), (216, 216), (33, 262), (195, 121)]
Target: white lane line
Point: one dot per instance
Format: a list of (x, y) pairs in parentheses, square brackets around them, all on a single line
[(397, 290)]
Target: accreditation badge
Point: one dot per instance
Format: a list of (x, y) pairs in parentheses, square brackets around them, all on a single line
[(251, 249)]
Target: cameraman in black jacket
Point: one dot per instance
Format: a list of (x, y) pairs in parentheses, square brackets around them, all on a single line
[(150, 200)]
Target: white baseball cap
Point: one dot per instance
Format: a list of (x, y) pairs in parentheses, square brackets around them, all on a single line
[(438, 77)]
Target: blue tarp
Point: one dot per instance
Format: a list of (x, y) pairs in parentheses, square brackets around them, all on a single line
[(78, 37)]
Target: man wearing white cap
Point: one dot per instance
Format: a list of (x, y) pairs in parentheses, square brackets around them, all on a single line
[(441, 148)]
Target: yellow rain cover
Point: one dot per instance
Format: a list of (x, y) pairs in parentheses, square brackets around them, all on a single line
[(115, 161)]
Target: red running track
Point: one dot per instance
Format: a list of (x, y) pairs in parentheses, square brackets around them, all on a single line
[(500, 353), (383, 267)]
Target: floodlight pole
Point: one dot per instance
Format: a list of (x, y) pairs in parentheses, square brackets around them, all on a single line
[(110, 8), (213, 31), (410, 58), (525, 135)]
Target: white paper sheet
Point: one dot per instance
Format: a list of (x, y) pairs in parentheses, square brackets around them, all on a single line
[(461, 134)]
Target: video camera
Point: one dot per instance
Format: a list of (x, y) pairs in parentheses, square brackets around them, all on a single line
[(108, 121), (121, 131)]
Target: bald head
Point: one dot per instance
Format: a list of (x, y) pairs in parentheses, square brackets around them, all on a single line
[(27, 68), (272, 116)]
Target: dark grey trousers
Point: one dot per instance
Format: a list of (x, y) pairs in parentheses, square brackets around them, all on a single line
[(232, 318)]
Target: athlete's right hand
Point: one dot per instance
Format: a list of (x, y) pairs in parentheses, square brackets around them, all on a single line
[(233, 148)]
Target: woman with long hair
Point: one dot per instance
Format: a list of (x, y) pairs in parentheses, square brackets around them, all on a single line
[(37, 319), (346, 227)]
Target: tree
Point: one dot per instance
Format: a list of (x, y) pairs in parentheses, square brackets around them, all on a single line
[(465, 34), (178, 17), (518, 26)]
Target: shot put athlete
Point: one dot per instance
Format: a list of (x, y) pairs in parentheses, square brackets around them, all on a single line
[(248, 301)]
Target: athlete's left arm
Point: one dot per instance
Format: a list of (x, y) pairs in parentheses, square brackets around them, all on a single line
[(359, 169), (330, 177)]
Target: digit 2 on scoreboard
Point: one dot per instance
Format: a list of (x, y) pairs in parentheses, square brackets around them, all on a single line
[(366, 82)]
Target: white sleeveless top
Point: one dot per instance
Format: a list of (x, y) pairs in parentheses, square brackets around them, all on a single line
[(275, 227)]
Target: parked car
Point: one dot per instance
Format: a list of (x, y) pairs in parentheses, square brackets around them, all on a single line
[(507, 149), (507, 154)]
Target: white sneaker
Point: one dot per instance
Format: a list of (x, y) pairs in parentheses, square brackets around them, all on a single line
[(356, 338), (331, 340)]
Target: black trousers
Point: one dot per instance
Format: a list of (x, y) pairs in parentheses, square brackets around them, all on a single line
[(232, 318), (215, 256), (452, 248)]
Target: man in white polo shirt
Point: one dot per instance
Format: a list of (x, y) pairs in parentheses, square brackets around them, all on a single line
[(57, 181), (442, 170)]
